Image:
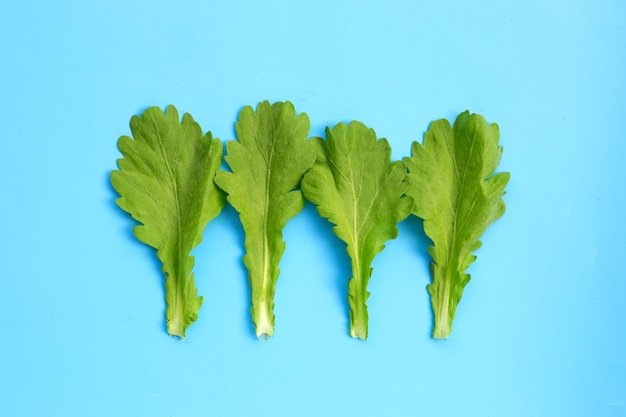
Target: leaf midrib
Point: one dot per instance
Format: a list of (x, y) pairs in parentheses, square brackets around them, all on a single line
[(265, 284), (452, 240), (461, 184), (356, 224), (179, 228)]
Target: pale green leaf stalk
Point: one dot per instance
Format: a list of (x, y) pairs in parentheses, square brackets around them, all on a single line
[(355, 186), (458, 196), (267, 163), (166, 183)]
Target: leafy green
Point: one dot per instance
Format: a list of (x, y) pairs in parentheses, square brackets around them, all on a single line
[(267, 163), (458, 196), (165, 182), (355, 186)]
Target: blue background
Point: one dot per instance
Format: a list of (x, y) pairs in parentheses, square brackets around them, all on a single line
[(541, 330)]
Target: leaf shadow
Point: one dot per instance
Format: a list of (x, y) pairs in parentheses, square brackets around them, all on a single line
[(230, 216), (336, 249), (144, 251), (414, 226)]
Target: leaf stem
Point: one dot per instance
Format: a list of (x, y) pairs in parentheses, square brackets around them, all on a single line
[(358, 320), (442, 305), (357, 296), (263, 318)]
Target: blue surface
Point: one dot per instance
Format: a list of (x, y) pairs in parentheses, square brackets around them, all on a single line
[(541, 329)]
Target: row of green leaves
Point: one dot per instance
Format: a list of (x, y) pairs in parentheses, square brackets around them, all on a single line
[(170, 180)]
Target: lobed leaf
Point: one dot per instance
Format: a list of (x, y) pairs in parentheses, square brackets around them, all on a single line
[(267, 162), (355, 186), (165, 181), (458, 196)]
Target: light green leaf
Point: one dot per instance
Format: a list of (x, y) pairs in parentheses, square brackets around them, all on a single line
[(458, 196), (267, 163), (355, 186), (166, 183)]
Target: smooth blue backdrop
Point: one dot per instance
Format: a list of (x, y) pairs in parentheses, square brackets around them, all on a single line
[(541, 330)]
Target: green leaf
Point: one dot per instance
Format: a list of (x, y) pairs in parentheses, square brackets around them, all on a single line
[(267, 163), (166, 183), (355, 186), (458, 196)]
